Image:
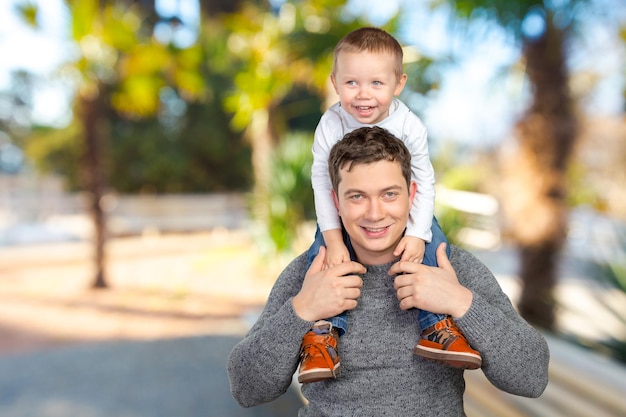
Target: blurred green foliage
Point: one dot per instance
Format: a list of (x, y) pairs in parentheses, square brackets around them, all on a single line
[(289, 200)]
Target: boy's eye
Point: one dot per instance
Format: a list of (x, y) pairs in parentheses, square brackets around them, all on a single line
[(377, 83), (351, 83)]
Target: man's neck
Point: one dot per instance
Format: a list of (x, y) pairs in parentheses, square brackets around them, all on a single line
[(369, 258)]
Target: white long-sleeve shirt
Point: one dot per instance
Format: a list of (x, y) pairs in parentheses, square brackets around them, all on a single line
[(404, 125)]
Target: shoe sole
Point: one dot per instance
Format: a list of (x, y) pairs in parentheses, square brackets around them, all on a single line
[(315, 375), (458, 360)]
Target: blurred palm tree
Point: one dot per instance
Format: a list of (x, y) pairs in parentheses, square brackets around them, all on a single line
[(534, 193), (120, 68)]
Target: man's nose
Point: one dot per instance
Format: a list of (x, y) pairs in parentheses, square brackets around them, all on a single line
[(374, 210)]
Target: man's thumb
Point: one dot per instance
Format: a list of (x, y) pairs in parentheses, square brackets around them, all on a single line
[(442, 257), (318, 261)]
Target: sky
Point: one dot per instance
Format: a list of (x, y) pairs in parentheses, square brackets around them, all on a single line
[(39, 52), (469, 108)]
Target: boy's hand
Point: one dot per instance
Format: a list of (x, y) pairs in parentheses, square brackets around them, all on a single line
[(411, 248), (336, 250), (336, 254)]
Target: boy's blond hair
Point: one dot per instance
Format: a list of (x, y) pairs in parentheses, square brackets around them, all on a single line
[(371, 39)]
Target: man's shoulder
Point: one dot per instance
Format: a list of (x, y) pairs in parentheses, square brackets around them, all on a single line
[(297, 265), (467, 265), (460, 256)]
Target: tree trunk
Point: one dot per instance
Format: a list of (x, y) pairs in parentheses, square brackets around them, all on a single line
[(91, 113), (535, 195), (259, 133)]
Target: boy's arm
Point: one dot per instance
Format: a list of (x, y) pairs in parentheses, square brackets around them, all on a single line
[(423, 209), (324, 139)]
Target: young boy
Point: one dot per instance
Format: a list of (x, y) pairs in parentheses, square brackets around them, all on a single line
[(368, 75)]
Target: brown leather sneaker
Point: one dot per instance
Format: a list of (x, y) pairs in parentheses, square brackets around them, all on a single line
[(443, 342), (319, 358)]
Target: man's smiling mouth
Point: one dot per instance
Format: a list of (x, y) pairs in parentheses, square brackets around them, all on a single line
[(375, 230)]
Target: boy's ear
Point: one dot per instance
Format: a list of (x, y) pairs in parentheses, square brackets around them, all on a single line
[(400, 85), (332, 80)]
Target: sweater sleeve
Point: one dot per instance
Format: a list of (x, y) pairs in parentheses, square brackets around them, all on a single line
[(260, 367), (515, 355)]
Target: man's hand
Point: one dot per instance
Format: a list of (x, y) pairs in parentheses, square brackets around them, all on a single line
[(328, 292), (435, 289), (411, 248)]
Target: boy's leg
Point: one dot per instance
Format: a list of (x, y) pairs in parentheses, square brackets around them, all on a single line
[(319, 354), (441, 340), (430, 250), (314, 249)]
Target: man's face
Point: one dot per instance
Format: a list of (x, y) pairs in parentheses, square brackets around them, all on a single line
[(374, 204)]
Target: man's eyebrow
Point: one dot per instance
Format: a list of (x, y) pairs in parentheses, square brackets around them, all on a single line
[(384, 190), (352, 191)]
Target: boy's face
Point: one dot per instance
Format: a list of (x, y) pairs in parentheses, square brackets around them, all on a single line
[(374, 204), (366, 84)]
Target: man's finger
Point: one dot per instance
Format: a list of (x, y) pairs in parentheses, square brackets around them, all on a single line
[(349, 268), (405, 267)]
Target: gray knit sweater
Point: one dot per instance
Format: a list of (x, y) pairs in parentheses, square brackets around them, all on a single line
[(379, 374)]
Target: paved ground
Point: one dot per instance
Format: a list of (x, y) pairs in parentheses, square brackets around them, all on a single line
[(162, 378), (156, 343)]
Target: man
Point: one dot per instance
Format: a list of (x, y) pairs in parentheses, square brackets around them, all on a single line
[(373, 192)]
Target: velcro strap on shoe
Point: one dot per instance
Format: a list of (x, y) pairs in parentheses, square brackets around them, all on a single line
[(327, 358)]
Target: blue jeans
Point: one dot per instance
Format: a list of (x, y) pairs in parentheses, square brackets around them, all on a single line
[(425, 318)]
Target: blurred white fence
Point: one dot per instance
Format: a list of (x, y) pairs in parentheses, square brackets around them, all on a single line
[(482, 211), (33, 211)]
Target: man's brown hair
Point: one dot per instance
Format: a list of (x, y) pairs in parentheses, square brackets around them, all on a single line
[(366, 145)]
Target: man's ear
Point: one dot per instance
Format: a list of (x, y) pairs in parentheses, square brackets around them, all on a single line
[(412, 192), (335, 200)]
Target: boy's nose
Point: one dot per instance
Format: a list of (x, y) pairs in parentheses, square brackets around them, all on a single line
[(363, 93)]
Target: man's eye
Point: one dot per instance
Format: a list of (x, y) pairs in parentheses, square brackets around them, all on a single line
[(391, 195), (355, 197)]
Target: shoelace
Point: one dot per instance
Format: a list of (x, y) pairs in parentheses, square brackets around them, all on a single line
[(441, 336)]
